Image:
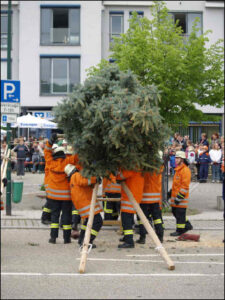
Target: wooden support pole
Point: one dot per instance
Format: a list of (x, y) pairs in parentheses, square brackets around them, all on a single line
[(149, 228), (87, 236)]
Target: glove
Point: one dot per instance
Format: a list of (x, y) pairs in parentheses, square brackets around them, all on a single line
[(98, 180), (5, 181), (169, 193), (179, 198), (53, 138)]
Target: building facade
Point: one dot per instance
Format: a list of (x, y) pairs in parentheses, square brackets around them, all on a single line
[(55, 42)]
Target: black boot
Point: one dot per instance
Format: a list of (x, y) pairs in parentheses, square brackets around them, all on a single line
[(188, 226), (122, 239), (141, 240), (126, 245), (52, 240), (45, 221), (67, 240), (176, 233)]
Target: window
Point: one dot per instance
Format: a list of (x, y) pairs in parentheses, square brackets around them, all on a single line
[(116, 24), (140, 14), (4, 30), (59, 74), (186, 20), (60, 25)]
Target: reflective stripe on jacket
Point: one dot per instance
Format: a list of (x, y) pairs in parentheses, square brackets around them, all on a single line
[(152, 192), (135, 183), (181, 182), (81, 193), (111, 186), (58, 184)]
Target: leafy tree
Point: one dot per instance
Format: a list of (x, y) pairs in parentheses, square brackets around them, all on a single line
[(184, 69), (113, 122)]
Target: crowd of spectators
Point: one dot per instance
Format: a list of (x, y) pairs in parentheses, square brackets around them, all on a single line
[(26, 155), (203, 157)]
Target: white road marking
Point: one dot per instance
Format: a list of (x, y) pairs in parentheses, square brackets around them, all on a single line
[(112, 274), (193, 254), (153, 261)]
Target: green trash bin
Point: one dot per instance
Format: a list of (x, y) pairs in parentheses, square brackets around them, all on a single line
[(17, 191)]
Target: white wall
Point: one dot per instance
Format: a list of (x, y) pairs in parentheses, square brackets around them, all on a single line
[(30, 49)]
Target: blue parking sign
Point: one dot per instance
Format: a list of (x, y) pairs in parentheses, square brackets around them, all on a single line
[(10, 91)]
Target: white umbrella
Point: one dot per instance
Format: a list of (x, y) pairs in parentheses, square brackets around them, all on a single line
[(46, 124), (30, 121)]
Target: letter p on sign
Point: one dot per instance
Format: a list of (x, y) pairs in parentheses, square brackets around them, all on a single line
[(9, 88)]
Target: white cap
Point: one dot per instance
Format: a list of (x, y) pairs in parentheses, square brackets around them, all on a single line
[(69, 150), (54, 146), (69, 169), (180, 154), (59, 149)]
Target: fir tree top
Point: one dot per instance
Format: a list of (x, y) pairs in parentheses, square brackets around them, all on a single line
[(113, 122)]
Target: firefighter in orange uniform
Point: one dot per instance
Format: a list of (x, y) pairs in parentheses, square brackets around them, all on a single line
[(150, 204), (135, 182), (111, 189), (58, 190), (81, 193), (179, 194)]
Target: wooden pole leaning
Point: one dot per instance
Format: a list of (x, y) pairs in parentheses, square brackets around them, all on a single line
[(149, 228), (87, 236)]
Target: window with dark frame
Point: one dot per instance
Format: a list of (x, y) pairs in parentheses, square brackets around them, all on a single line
[(186, 21), (58, 75), (60, 25), (116, 24)]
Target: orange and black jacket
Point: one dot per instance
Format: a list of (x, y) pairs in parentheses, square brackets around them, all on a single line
[(180, 187), (58, 185), (135, 182)]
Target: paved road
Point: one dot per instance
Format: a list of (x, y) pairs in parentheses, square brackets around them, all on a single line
[(33, 268)]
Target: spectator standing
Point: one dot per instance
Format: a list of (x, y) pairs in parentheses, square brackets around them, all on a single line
[(214, 139), (35, 159), (204, 160), (172, 162), (215, 155), (191, 160), (21, 151), (204, 140)]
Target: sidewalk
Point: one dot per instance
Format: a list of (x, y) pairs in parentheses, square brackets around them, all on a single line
[(27, 213)]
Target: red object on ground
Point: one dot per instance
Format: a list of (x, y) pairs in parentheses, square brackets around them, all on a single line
[(187, 236), (75, 234)]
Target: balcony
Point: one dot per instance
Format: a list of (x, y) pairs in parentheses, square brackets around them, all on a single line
[(63, 36)]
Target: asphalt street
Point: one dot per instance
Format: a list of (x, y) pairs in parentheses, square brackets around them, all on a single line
[(33, 268)]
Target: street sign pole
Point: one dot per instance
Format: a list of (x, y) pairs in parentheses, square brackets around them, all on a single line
[(9, 75)]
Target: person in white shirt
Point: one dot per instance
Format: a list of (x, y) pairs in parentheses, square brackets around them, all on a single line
[(215, 155)]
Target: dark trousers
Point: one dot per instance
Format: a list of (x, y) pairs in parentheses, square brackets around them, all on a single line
[(203, 171), (198, 168), (111, 209), (20, 166), (46, 210), (75, 217), (127, 223), (155, 212), (182, 223), (97, 224), (66, 207)]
